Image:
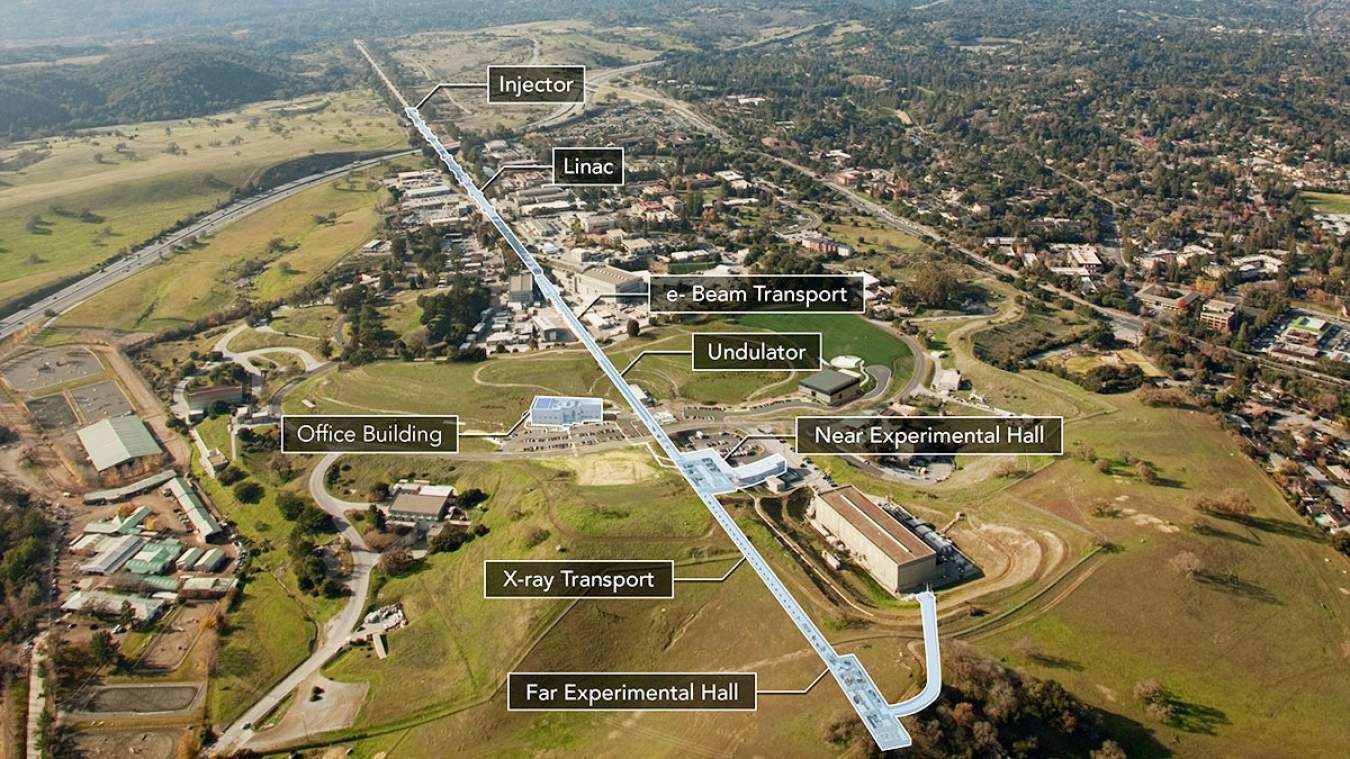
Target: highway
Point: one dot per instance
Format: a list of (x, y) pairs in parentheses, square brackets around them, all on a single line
[(125, 267), (878, 715)]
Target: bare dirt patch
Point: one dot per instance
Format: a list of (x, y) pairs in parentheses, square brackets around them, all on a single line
[(145, 744), (623, 468), (141, 699)]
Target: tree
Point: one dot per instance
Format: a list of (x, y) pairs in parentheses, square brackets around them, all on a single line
[(396, 561), (633, 328), (1109, 750), (102, 648), (377, 518), (1187, 563), (934, 286), (1145, 471), (248, 491), (126, 615)]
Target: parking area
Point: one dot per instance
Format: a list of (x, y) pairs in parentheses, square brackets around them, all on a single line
[(53, 412), (53, 366), (101, 400)]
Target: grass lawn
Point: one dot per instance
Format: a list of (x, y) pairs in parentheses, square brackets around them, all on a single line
[(458, 645), (843, 335), (488, 396), (266, 637), (1328, 202), (868, 236), (140, 190), (313, 321)]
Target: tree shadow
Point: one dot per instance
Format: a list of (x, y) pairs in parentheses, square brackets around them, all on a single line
[(1213, 532), (1056, 662), (1237, 586), (1196, 718), (1275, 527), (1136, 738)]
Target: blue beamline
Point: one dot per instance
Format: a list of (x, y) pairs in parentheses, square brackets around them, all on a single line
[(880, 718)]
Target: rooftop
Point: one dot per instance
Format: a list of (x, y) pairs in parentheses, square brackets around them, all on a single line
[(880, 528), (829, 381), (117, 440)]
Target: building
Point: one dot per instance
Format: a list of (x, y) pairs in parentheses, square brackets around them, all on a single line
[(1166, 300), (198, 515), (895, 556), (154, 558), (947, 380), (103, 604), (548, 330), (112, 554), (199, 401), (207, 587), (521, 289), (607, 280), (555, 411), (414, 503), (116, 441), (831, 387), (211, 561), (1218, 315)]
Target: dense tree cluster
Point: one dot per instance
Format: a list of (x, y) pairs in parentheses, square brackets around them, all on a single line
[(24, 532)]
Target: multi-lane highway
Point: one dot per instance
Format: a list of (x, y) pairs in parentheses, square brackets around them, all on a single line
[(129, 265), (878, 715)]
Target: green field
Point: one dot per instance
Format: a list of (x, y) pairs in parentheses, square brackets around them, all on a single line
[(843, 335), (1328, 202), (204, 280), (865, 235), (1269, 602), (438, 692), (141, 189), (487, 396)]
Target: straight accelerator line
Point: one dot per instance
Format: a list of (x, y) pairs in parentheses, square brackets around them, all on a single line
[(871, 705)]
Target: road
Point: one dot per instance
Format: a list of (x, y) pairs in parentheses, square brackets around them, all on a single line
[(333, 636), (877, 714), (128, 266)]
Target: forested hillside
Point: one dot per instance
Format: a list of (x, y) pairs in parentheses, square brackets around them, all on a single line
[(144, 83)]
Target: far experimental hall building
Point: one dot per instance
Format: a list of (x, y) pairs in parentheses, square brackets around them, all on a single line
[(898, 558)]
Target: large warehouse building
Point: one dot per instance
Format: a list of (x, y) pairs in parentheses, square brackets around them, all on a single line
[(899, 559), (116, 441)]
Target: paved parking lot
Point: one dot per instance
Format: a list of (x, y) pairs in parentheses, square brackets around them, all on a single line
[(52, 367), (101, 401)]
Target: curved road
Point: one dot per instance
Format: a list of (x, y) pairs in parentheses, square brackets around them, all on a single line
[(73, 294), (333, 635)]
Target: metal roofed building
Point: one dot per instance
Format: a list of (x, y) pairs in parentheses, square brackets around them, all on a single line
[(415, 503), (561, 411), (607, 280), (210, 561), (154, 558), (897, 557), (831, 387), (101, 603), (112, 554), (196, 511), (115, 441)]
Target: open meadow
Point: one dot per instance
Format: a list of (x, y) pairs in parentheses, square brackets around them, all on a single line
[(90, 196)]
